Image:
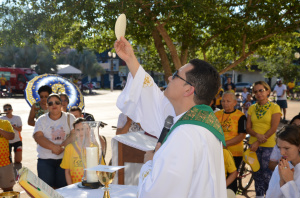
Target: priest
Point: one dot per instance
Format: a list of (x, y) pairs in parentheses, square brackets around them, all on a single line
[(189, 162)]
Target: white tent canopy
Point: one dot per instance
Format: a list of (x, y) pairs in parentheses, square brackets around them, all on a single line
[(67, 69)]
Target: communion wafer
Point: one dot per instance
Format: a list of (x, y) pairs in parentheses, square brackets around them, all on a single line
[(120, 26)]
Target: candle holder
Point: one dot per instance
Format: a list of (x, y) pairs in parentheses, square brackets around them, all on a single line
[(90, 153)]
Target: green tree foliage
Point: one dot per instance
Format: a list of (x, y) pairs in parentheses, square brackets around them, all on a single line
[(227, 33), (27, 56), (279, 59), (85, 60)]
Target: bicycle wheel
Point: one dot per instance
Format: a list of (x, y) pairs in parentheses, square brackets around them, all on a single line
[(245, 177)]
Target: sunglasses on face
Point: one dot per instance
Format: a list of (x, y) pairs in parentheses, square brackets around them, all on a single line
[(56, 102), (260, 91), (7, 109)]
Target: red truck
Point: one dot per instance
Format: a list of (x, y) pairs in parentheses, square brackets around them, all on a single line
[(17, 78)]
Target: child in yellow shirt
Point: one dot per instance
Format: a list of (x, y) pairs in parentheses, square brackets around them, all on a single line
[(71, 161)]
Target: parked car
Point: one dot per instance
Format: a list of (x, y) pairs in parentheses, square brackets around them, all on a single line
[(240, 86)]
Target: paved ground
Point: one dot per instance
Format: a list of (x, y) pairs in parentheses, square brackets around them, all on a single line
[(102, 106)]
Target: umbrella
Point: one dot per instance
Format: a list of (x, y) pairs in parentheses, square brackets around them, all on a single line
[(58, 84)]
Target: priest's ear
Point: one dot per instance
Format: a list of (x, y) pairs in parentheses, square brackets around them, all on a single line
[(189, 91)]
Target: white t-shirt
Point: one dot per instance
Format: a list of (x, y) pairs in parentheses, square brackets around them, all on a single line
[(275, 155), (55, 131), (244, 95), (18, 122), (279, 91)]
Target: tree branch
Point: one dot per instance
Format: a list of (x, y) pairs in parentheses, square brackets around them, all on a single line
[(261, 39), (214, 36), (235, 63), (244, 44)]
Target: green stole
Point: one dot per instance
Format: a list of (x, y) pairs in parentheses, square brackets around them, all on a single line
[(201, 115)]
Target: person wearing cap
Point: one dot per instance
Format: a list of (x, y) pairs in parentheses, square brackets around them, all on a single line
[(285, 181), (280, 89), (52, 132), (189, 162), (15, 144)]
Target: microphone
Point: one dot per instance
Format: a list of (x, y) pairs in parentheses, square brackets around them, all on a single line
[(166, 129)]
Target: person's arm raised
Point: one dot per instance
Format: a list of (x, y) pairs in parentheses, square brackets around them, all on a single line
[(126, 53)]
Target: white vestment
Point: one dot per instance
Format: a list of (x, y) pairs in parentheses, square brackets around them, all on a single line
[(290, 189), (190, 163)]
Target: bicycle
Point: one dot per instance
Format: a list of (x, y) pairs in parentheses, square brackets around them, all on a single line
[(245, 172)]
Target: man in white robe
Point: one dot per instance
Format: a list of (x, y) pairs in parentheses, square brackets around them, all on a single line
[(190, 163)]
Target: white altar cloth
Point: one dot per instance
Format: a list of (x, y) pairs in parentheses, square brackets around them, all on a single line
[(116, 191)]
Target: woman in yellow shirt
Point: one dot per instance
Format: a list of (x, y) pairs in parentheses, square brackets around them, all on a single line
[(262, 121)]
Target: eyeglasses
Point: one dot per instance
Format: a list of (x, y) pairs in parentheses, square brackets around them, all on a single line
[(56, 102), (175, 74), (7, 109), (260, 91)]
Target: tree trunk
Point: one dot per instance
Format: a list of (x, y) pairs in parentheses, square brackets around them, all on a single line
[(170, 45), (162, 53), (184, 53)]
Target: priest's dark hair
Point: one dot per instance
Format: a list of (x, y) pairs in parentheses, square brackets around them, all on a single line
[(205, 79)]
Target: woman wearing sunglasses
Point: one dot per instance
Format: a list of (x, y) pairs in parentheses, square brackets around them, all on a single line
[(40, 107), (53, 131), (262, 122), (285, 181)]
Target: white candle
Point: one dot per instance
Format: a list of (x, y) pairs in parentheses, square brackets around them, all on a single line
[(91, 161)]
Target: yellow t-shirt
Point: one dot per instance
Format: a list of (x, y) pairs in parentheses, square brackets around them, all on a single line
[(72, 161), (229, 123), (291, 85), (218, 97), (4, 144), (261, 122), (228, 162)]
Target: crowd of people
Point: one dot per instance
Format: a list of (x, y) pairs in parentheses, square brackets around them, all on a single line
[(55, 128), (205, 145)]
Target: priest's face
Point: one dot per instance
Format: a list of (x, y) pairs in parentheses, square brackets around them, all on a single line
[(177, 84)]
